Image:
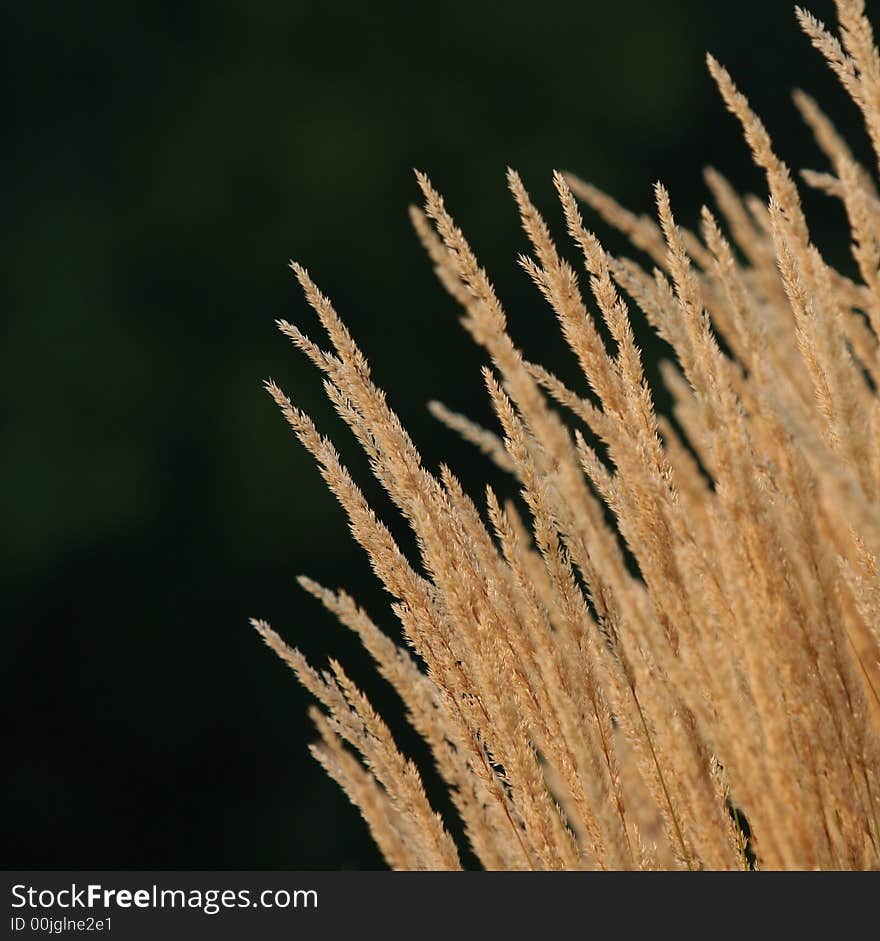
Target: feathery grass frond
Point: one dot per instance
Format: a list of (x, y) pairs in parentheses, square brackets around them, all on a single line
[(683, 631)]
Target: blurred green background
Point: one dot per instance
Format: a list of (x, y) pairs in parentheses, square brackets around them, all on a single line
[(163, 162)]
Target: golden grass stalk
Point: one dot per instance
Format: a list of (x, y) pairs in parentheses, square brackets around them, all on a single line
[(626, 695)]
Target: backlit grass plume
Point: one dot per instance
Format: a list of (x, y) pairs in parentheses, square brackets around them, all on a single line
[(628, 695)]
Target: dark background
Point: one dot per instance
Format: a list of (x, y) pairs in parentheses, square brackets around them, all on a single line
[(162, 163)]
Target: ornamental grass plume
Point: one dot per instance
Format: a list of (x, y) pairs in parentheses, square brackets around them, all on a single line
[(666, 656)]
